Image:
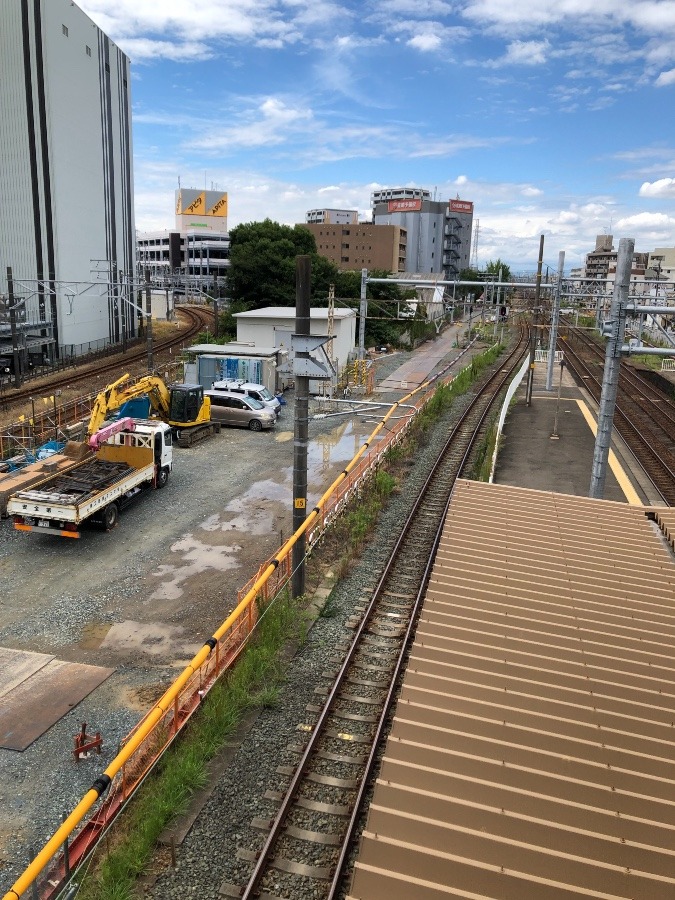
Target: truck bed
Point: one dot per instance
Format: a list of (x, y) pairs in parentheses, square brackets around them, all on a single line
[(78, 484)]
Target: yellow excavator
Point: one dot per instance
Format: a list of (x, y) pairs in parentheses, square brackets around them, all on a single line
[(182, 406)]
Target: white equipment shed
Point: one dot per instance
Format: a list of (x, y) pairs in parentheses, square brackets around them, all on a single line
[(274, 325)]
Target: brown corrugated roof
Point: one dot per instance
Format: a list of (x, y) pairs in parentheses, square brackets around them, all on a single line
[(532, 755)]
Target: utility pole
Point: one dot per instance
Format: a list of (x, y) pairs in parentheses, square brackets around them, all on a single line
[(535, 326), (148, 319), (615, 327), (363, 312), (555, 315), (301, 432), (12, 326)]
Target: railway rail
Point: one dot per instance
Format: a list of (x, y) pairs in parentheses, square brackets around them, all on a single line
[(644, 415), (306, 847), (197, 319)]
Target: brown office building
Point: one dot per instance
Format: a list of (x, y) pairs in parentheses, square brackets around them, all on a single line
[(367, 246)]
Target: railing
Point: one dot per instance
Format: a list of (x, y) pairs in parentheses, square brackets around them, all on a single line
[(54, 864)]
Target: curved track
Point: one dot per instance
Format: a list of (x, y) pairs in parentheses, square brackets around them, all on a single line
[(307, 844), (644, 416), (197, 318)]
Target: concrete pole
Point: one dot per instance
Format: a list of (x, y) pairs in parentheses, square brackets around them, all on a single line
[(363, 312), (535, 326), (12, 325), (610, 380), (301, 435), (555, 316), (148, 318)]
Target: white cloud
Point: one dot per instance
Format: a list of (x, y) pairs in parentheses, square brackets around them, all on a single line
[(659, 222), (272, 122), (425, 42), (665, 78), (530, 191), (141, 49), (526, 53), (664, 187)]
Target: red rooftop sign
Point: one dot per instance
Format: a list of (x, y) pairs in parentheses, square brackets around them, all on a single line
[(405, 205), (463, 206)]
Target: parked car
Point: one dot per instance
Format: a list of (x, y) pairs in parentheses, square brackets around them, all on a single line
[(249, 389), (237, 409)]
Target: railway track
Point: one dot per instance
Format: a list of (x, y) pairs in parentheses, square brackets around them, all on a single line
[(306, 846), (644, 415), (197, 318)]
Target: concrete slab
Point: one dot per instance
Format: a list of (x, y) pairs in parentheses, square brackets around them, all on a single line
[(39, 701), (428, 356), (18, 665)]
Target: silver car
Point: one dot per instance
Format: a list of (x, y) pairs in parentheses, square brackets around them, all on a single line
[(235, 409)]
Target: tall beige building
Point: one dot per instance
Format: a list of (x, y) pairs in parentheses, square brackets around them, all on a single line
[(363, 246)]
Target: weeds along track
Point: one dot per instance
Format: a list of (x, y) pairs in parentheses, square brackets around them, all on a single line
[(114, 365), (304, 850), (644, 416)]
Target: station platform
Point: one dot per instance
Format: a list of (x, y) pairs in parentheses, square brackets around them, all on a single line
[(529, 456)]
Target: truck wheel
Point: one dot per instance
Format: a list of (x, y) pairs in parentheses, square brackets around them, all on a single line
[(162, 477), (255, 425), (110, 516)]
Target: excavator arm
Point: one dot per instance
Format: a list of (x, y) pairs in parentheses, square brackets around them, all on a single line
[(113, 396)]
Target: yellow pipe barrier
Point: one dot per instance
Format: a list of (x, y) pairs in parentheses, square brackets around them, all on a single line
[(164, 704)]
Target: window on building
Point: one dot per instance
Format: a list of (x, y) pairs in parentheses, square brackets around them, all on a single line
[(88, 49), (64, 29), (344, 259)]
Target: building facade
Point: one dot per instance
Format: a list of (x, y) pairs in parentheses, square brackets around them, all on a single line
[(184, 259), (363, 246), (66, 175), (438, 232), (332, 217), (196, 210)]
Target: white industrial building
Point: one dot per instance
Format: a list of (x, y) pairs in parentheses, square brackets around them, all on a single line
[(439, 232), (66, 178), (274, 326)]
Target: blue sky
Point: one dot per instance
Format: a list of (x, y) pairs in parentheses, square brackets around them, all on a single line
[(555, 118)]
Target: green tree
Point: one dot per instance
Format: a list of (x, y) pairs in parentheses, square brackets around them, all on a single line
[(262, 264), (467, 291), (495, 266)]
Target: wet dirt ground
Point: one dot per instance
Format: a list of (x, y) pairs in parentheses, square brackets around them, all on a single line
[(143, 598)]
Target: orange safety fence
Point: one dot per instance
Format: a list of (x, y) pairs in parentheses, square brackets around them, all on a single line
[(76, 837)]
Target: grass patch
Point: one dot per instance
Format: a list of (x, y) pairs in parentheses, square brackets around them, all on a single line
[(253, 683), (482, 464)]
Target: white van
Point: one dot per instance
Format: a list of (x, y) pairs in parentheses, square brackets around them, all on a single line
[(257, 391)]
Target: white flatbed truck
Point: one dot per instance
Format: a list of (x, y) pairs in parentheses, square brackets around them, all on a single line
[(97, 487)]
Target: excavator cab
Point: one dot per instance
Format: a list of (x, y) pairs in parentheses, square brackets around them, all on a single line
[(186, 402)]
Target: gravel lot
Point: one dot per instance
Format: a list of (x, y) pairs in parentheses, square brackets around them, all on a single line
[(172, 566)]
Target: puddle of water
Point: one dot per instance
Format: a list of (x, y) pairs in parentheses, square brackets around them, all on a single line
[(197, 557), (262, 509), (153, 638), (93, 636)]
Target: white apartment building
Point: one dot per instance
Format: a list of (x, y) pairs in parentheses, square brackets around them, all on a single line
[(66, 177), (332, 217)]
